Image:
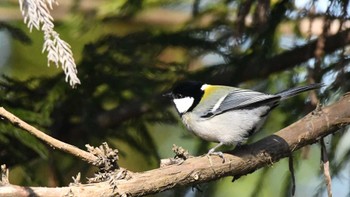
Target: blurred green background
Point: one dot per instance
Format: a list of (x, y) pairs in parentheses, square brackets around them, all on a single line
[(130, 52)]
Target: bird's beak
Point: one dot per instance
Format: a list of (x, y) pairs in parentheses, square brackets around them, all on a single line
[(168, 94)]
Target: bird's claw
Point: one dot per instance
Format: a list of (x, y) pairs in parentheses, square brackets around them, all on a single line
[(220, 154)]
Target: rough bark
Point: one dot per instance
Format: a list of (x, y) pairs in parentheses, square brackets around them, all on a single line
[(200, 169)]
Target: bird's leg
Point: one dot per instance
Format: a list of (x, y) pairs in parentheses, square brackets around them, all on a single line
[(220, 154)]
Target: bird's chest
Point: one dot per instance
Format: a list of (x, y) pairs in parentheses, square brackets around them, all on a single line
[(199, 127), (230, 127)]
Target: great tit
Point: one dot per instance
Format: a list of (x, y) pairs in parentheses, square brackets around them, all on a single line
[(224, 114)]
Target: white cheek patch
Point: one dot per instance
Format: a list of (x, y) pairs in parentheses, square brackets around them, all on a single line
[(183, 104)]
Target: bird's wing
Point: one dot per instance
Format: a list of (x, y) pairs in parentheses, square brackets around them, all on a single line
[(242, 99)]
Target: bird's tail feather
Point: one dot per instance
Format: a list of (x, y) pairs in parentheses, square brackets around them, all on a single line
[(297, 90)]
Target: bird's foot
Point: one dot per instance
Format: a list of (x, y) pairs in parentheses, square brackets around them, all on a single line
[(220, 154)]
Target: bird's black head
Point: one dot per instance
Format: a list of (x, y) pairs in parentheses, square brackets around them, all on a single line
[(186, 95), (187, 89)]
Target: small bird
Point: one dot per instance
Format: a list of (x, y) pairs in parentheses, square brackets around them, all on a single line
[(224, 114)]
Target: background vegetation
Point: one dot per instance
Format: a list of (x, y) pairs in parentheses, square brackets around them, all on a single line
[(129, 52)]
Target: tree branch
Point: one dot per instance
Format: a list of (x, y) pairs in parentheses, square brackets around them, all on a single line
[(197, 170), (86, 156)]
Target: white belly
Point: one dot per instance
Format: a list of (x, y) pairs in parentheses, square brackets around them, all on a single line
[(230, 128)]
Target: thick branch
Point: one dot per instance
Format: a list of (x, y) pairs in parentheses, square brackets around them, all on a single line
[(86, 156), (199, 169)]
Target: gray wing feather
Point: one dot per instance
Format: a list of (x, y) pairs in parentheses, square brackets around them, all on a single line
[(240, 99)]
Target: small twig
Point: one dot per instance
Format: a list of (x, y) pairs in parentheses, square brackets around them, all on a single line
[(76, 180), (181, 152), (181, 155), (4, 178), (106, 157), (291, 170), (86, 156), (326, 170)]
